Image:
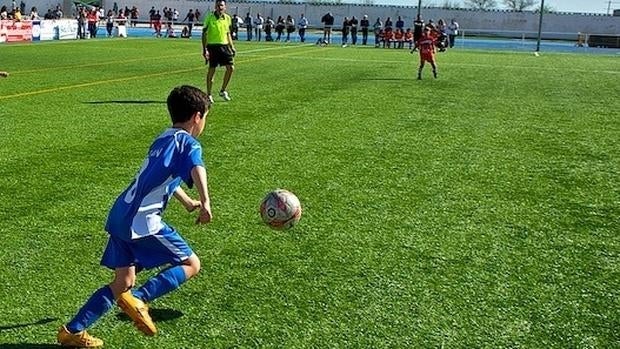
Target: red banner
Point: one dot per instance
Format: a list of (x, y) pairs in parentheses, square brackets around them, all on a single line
[(15, 31)]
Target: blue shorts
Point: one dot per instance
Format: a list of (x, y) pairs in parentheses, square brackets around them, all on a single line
[(165, 247)]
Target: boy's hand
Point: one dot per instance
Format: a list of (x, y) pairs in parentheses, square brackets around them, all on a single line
[(204, 216), (192, 205)]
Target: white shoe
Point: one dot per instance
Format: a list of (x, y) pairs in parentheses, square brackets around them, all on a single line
[(225, 96), (211, 101)]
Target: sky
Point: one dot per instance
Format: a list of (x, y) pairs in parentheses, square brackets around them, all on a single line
[(592, 6)]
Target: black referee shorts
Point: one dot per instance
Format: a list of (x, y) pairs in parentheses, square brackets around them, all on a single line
[(219, 55)]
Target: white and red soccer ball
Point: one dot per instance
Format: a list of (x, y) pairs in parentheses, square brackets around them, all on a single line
[(280, 209)]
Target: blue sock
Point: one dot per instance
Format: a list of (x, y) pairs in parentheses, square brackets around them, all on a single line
[(160, 284), (96, 306)]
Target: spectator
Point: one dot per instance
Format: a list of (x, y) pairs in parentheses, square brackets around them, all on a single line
[(247, 21), (157, 23), (346, 27), (302, 24), (93, 18), (109, 23), (134, 15), (190, 17), (236, 22), (34, 14), (353, 24), (121, 21), (280, 26), (258, 26), (170, 32), (377, 29), (400, 24), (268, 27), (409, 37), (328, 23), (151, 16), (290, 27), (185, 33), (81, 21), (453, 31), (388, 24), (364, 24)]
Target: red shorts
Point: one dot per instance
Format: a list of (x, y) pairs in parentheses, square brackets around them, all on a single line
[(428, 57)]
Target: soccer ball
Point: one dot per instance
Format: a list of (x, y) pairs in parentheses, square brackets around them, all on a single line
[(280, 209)]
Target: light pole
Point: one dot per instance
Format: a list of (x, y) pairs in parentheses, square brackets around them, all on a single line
[(540, 20), (419, 5)]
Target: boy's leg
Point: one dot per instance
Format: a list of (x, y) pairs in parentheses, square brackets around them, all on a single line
[(99, 303), (420, 69), (134, 307), (168, 280), (74, 334), (168, 247), (434, 66)]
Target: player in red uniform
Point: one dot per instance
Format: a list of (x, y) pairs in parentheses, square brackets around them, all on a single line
[(426, 46)]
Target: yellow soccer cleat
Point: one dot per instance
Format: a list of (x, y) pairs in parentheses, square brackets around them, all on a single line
[(138, 311), (77, 340)]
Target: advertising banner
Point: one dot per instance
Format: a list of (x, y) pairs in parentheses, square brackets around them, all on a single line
[(15, 31), (67, 29), (47, 29)]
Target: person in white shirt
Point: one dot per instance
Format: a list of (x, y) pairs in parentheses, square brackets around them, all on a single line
[(258, 26), (302, 24), (452, 31)]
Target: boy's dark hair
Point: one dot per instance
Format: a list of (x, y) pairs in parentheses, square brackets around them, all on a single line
[(184, 101)]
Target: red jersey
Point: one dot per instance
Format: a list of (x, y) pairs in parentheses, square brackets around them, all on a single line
[(426, 45)]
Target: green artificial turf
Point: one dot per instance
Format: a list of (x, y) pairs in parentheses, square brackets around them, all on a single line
[(477, 210)]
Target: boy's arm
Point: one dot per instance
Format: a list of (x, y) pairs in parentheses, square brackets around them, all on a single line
[(199, 176), (189, 203)]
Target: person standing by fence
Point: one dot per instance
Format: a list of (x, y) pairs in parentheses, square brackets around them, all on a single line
[(302, 24), (453, 31), (364, 24)]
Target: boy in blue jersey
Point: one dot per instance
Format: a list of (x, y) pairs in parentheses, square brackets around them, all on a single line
[(138, 237)]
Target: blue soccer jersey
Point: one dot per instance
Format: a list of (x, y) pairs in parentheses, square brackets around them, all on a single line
[(137, 212)]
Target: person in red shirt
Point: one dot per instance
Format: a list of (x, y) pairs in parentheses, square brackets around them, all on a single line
[(388, 38), (426, 46), (399, 38), (409, 37)]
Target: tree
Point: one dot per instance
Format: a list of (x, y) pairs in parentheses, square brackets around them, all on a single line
[(450, 4), (519, 5), (481, 4)]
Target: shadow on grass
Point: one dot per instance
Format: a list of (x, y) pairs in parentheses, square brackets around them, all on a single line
[(388, 79), (40, 322), (27, 345), (124, 102), (156, 314)]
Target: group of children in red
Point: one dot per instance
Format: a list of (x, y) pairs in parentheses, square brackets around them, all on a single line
[(395, 38)]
